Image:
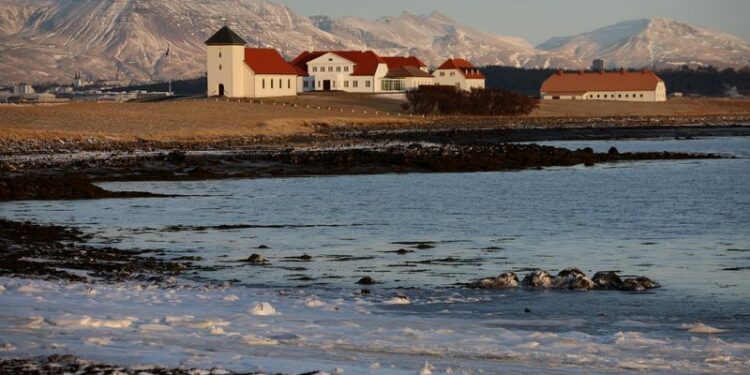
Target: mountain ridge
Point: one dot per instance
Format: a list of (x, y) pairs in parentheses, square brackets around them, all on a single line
[(49, 40)]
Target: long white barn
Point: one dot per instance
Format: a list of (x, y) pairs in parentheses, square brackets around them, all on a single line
[(643, 86)]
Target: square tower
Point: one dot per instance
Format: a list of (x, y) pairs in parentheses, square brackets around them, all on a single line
[(225, 64)]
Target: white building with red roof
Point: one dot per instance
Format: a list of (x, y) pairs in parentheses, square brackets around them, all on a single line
[(235, 71), (459, 73), (643, 86), (359, 71)]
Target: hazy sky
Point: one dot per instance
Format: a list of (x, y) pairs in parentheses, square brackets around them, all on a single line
[(538, 20)]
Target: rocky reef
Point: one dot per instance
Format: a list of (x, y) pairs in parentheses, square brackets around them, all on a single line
[(568, 279)]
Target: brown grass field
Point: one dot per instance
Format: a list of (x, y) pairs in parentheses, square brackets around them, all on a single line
[(185, 120)]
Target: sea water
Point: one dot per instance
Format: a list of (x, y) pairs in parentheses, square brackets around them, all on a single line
[(684, 224)]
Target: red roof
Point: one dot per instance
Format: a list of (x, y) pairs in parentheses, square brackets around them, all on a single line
[(466, 68), (455, 64), (365, 62), (267, 61), (601, 81), (400, 62)]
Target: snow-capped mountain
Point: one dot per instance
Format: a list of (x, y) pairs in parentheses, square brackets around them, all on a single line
[(45, 40), (434, 38), (656, 42), (49, 40)]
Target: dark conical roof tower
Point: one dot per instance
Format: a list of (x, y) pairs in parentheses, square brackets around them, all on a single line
[(225, 37)]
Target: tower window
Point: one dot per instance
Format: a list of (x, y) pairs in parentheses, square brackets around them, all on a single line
[(219, 66)]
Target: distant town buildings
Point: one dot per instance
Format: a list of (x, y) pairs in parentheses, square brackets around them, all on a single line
[(237, 71), (597, 65), (641, 86)]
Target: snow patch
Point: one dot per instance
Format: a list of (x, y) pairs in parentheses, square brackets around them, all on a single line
[(263, 309)]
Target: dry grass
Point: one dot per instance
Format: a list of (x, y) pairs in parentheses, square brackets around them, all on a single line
[(192, 120), (206, 120), (674, 107)]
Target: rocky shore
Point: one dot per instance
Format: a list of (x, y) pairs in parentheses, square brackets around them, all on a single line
[(69, 364), (60, 178), (53, 252)]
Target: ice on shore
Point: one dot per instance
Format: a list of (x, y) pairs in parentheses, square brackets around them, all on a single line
[(231, 298), (701, 328), (263, 309), (426, 369), (100, 341), (86, 321), (398, 300), (28, 289)]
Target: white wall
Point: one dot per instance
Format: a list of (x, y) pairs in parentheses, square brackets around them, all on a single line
[(622, 96), (454, 77), (274, 85), (225, 65)]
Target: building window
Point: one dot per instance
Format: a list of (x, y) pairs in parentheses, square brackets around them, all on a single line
[(442, 74), (458, 86), (263, 83), (271, 82), (219, 54), (605, 96), (289, 83), (333, 84), (367, 83), (304, 84), (355, 83), (338, 68), (453, 74), (346, 84), (641, 95), (330, 69), (281, 84), (318, 84), (315, 68), (597, 95), (346, 68)]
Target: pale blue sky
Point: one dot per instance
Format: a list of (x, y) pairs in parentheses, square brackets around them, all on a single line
[(538, 20)]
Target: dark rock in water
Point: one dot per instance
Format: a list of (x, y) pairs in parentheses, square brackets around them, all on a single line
[(263, 247), (538, 279), (305, 257), (527, 310), (423, 246), (257, 259), (573, 278), (570, 271), (367, 280), (176, 157), (613, 151), (638, 284), (364, 292), (607, 280), (505, 280), (403, 251)]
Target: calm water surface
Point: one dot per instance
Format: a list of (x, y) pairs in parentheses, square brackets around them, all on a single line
[(685, 224)]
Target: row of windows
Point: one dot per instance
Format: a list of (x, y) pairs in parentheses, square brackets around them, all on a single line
[(355, 84), (281, 83), (330, 69), (452, 74), (598, 96)]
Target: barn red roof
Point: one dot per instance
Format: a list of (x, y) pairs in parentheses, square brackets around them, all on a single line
[(400, 62), (601, 81), (365, 62), (466, 68), (267, 61)]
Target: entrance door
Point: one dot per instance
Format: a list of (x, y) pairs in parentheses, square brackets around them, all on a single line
[(221, 89), (327, 85)]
